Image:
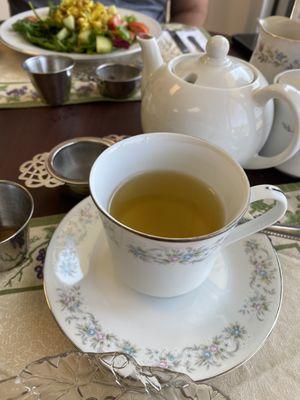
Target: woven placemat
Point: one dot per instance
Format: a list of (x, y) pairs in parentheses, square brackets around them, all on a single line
[(17, 91)]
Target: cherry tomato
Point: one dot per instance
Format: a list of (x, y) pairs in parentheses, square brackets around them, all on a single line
[(132, 36), (137, 27), (114, 22)]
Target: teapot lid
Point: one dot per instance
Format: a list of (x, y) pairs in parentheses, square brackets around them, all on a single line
[(215, 68)]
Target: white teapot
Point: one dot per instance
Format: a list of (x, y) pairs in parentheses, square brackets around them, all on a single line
[(215, 97)]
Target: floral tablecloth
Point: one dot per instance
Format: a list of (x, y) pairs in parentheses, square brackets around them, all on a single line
[(17, 91), (28, 330)]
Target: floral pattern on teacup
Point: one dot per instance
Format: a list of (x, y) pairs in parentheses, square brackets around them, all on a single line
[(110, 231), (167, 256), (269, 55)]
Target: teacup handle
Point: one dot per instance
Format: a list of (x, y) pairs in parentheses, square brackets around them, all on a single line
[(260, 192), (291, 96)]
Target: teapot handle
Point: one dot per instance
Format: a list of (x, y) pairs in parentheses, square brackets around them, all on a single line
[(291, 96)]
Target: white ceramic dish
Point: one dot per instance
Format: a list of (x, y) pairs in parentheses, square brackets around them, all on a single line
[(205, 333), (16, 42)]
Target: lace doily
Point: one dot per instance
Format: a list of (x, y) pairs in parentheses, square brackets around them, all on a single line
[(35, 173)]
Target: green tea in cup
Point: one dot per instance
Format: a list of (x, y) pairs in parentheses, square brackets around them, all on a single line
[(167, 204)]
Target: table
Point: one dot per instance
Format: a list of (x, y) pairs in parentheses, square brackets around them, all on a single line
[(26, 132)]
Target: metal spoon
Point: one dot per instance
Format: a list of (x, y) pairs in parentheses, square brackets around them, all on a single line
[(283, 231)]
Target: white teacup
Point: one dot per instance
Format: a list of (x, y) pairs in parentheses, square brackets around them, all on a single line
[(283, 127), (167, 267), (278, 46)]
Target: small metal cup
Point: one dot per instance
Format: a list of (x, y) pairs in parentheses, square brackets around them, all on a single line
[(51, 76), (118, 81), (16, 208)]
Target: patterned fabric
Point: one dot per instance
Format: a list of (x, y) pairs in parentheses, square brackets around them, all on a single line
[(17, 91), (28, 331)]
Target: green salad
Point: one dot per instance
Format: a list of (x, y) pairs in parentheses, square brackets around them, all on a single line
[(80, 26)]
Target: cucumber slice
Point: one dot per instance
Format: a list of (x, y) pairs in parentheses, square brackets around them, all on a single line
[(62, 34), (83, 36), (69, 22), (103, 44)]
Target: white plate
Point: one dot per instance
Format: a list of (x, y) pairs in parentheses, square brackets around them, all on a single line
[(205, 333), (16, 41)]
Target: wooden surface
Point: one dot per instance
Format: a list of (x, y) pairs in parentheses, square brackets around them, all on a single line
[(26, 132)]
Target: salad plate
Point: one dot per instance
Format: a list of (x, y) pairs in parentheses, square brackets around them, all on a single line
[(16, 42), (204, 333)]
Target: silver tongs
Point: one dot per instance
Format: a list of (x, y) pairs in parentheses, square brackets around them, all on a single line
[(189, 41)]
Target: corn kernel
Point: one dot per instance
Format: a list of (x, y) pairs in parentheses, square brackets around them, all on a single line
[(112, 10), (97, 24)]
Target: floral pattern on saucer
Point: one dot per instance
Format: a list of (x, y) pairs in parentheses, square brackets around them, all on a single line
[(91, 332), (222, 346), (87, 327), (216, 342), (261, 281), (76, 230)]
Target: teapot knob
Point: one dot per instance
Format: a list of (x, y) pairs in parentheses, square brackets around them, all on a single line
[(217, 48)]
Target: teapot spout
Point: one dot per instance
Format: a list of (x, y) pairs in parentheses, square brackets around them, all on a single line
[(151, 56)]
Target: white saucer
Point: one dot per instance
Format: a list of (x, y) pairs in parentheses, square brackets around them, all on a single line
[(205, 333)]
